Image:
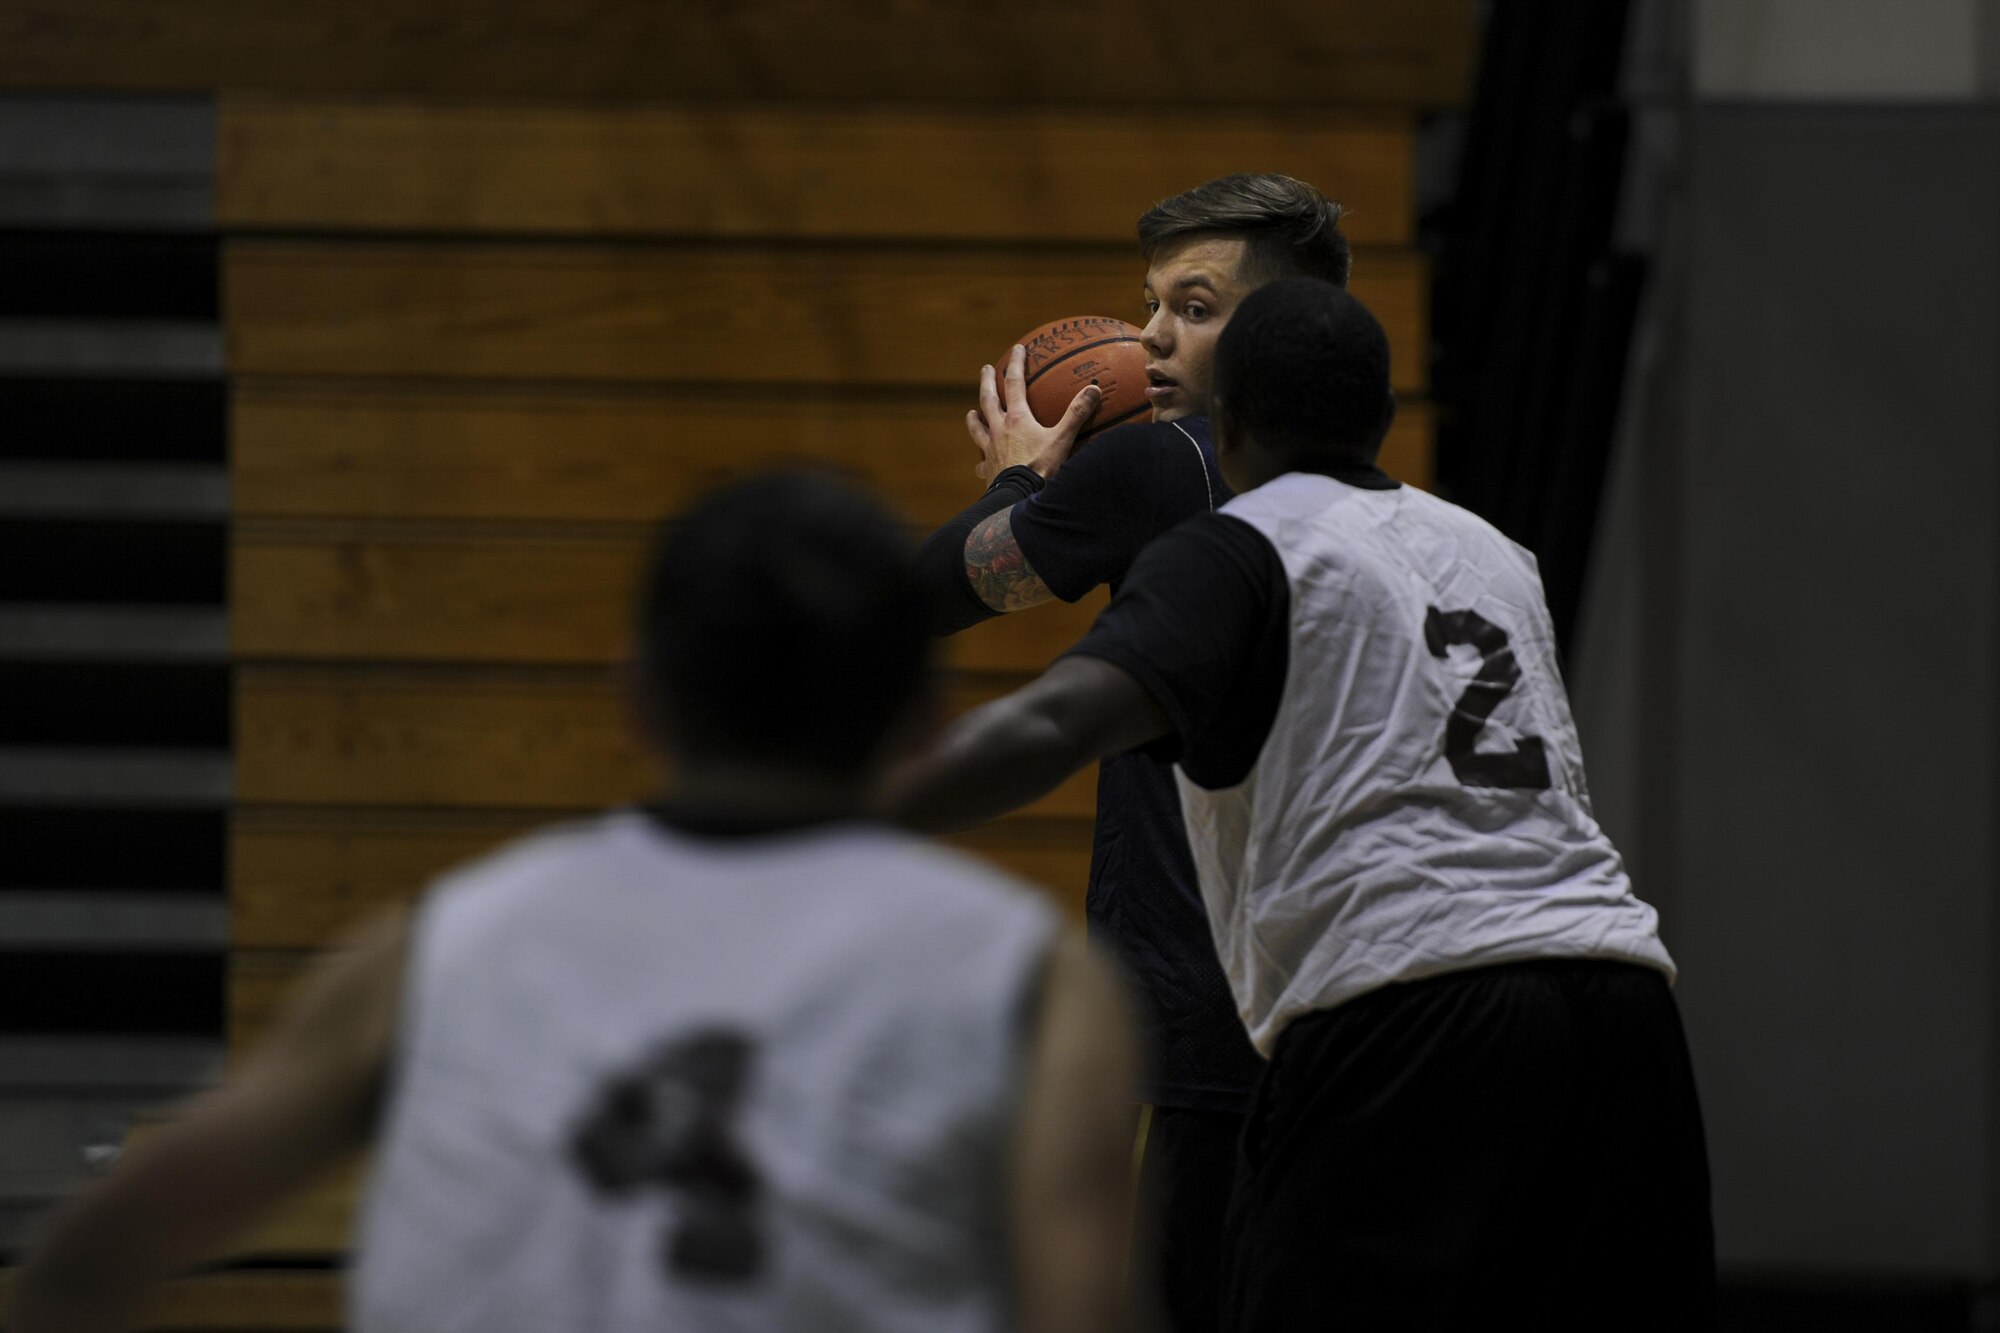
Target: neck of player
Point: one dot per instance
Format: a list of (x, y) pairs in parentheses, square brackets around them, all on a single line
[(755, 794)]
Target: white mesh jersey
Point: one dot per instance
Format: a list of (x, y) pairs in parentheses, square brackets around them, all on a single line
[(1419, 804), (652, 1081)]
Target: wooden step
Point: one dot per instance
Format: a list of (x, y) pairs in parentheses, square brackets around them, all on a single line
[(1155, 53), (301, 878), (441, 595), (309, 448), (470, 738), (852, 316), (766, 172), (237, 1301)]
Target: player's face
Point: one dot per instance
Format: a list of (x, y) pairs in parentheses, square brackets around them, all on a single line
[(1191, 290)]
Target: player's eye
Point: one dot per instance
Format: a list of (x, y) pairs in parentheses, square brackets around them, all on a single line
[(1195, 310)]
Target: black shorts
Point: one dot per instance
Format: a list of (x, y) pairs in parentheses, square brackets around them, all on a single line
[(1511, 1147)]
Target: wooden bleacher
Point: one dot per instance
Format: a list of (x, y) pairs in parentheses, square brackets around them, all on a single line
[(583, 454), (238, 1301), (899, 316), (515, 593), (856, 173), (307, 876), (1291, 55), (506, 280)]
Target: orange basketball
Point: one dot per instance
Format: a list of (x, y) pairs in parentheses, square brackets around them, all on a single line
[(1088, 349)]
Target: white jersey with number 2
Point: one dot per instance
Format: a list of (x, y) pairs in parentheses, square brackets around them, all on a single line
[(1419, 805)]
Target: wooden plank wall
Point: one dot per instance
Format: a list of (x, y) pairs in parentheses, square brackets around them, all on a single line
[(506, 280), (459, 404), (1153, 53), (241, 1301)]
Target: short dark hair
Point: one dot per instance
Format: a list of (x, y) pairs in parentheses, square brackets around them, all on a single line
[(781, 622), (1292, 229), (1304, 368)]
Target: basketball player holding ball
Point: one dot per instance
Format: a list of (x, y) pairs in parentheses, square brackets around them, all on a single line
[(1057, 522)]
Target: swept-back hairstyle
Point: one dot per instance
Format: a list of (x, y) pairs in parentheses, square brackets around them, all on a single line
[(1292, 229), (782, 623)]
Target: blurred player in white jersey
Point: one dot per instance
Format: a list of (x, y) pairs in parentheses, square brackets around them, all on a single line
[(743, 1061), (1478, 1110)]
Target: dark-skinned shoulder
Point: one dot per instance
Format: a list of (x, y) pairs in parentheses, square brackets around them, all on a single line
[(1117, 492), (1204, 626)]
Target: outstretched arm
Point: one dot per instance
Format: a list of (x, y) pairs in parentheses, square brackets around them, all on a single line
[(1003, 755), (304, 1102)]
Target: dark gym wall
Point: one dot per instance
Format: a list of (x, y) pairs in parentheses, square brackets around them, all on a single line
[(1790, 665), (1835, 798)]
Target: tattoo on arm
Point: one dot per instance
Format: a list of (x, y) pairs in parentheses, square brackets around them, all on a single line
[(998, 570)]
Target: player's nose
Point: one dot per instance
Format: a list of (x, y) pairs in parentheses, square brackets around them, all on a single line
[(1154, 336)]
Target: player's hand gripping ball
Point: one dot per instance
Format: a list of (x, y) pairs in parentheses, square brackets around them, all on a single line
[(1087, 349)]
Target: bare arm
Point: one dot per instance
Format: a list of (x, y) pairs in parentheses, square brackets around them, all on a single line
[(1073, 1196), (999, 757), (306, 1100)]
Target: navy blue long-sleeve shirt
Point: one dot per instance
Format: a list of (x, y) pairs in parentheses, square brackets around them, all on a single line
[(1081, 529)]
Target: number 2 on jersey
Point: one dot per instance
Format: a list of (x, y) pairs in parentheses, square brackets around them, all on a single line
[(1527, 764)]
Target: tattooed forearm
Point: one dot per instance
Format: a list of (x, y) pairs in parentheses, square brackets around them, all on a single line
[(997, 569)]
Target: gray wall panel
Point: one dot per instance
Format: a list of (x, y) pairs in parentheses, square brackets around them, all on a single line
[(1851, 50), (1836, 780), (71, 166), (95, 162)]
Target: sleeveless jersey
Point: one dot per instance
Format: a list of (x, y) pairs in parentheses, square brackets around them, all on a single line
[(1418, 806), (654, 1081)]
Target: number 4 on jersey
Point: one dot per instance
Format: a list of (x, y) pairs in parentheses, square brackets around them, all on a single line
[(1527, 764)]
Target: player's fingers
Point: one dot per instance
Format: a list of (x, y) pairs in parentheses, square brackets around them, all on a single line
[(1017, 379), (989, 397), (976, 428), (1081, 408)]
